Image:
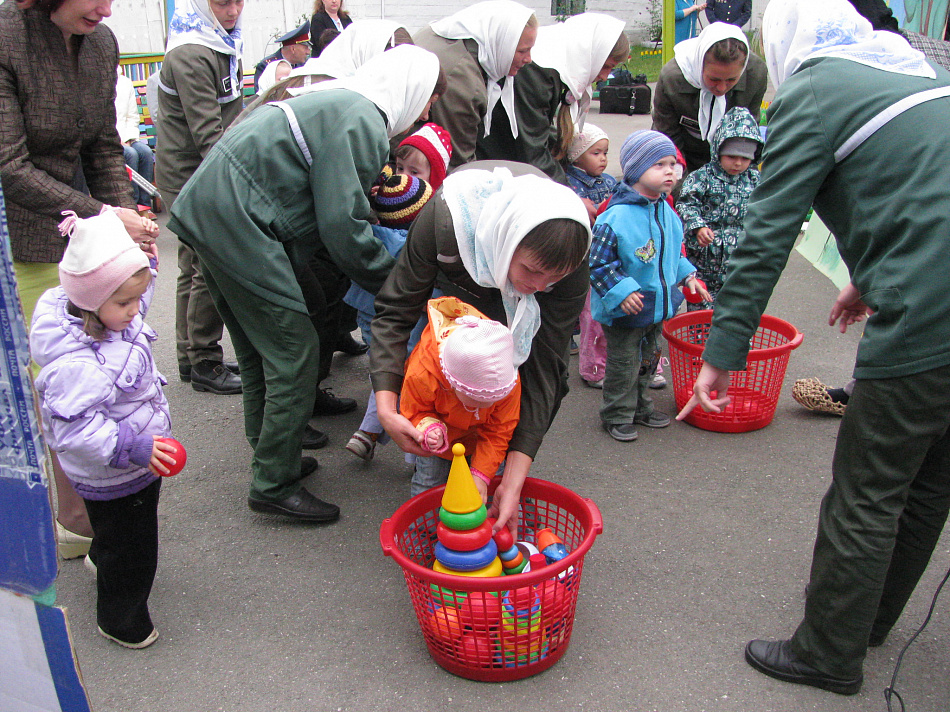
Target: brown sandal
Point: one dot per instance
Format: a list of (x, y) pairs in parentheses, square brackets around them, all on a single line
[(813, 394)]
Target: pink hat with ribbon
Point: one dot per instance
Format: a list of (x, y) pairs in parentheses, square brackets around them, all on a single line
[(477, 358)]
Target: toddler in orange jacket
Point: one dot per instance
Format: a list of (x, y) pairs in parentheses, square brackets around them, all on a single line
[(461, 386)]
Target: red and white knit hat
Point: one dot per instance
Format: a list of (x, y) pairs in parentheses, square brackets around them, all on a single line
[(99, 258), (436, 145), (477, 359)]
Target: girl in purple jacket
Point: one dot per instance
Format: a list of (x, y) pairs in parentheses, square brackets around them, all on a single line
[(103, 410)]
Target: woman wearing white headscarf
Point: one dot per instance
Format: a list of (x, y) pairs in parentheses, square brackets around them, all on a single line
[(515, 248), (876, 166), (553, 92), (481, 49), (200, 94), (287, 184), (707, 76), (357, 44)]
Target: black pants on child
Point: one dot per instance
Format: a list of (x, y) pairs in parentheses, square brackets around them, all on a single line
[(125, 552)]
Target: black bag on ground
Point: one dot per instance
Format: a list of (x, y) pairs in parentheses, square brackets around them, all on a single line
[(631, 99)]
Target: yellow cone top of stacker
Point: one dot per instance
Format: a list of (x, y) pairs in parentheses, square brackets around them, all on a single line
[(460, 496)]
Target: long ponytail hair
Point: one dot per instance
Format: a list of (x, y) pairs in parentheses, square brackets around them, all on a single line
[(565, 124)]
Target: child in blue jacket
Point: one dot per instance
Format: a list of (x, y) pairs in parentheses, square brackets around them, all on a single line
[(636, 267)]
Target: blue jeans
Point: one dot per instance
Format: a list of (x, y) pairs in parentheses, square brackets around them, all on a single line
[(139, 158)]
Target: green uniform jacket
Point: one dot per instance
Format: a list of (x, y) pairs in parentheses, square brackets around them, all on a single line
[(431, 259), (255, 207), (193, 121), (538, 93), (676, 106), (887, 205), (460, 110)]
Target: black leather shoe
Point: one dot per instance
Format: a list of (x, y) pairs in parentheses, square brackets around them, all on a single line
[(214, 378), (775, 659), (313, 439), (350, 346), (300, 505), (184, 372), (233, 367), (308, 465), (328, 404)]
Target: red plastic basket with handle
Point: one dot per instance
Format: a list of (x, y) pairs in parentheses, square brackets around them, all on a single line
[(754, 392), (504, 627)]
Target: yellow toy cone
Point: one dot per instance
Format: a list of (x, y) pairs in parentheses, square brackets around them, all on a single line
[(460, 496)]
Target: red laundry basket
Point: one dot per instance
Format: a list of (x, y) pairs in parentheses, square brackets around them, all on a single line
[(467, 622), (754, 392)]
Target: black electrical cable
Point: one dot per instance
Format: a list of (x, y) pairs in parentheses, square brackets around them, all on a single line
[(890, 690)]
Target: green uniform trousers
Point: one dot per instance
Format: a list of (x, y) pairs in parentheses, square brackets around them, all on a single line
[(880, 519), (198, 326), (278, 351)]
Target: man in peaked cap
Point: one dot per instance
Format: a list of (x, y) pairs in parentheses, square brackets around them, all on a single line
[(295, 47)]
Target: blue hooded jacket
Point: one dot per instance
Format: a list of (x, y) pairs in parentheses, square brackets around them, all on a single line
[(637, 247)]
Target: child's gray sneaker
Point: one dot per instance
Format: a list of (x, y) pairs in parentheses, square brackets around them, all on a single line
[(653, 420), (624, 432)]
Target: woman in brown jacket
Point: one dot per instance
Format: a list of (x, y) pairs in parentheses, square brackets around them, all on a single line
[(57, 124)]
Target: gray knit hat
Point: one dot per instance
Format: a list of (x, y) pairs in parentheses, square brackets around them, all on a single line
[(642, 149)]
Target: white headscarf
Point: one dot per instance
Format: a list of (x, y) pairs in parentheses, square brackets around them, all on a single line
[(492, 212), (268, 77), (796, 30), (577, 49), (359, 42), (689, 55), (400, 82), (194, 23), (497, 26)]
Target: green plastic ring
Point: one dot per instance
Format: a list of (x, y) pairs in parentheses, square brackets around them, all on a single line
[(462, 522)]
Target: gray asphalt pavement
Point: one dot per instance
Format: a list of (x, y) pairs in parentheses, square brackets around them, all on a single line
[(707, 543)]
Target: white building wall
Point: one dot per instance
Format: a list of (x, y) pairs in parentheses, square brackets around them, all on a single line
[(141, 27)]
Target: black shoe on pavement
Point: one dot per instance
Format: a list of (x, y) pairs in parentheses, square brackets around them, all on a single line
[(215, 378), (233, 367), (313, 439), (775, 659), (350, 346), (184, 372), (308, 465), (328, 404), (300, 505)]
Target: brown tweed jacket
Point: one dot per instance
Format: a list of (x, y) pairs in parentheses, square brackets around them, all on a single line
[(54, 111)]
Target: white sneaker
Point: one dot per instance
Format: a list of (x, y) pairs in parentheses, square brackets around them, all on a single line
[(70, 544), (152, 637), (659, 380)]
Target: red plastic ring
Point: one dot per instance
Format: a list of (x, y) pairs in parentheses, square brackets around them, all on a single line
[(464, 539)]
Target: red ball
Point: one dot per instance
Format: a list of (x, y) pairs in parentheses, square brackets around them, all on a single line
[(478, 649), (693, 298), (503, 538), (181, 457), (481, 611)]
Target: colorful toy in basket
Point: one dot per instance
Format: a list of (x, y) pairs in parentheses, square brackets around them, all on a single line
[(494, 628), (465, 545)]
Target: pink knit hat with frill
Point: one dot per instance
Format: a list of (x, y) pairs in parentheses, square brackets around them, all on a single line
[(478, 359), (99, 258)]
